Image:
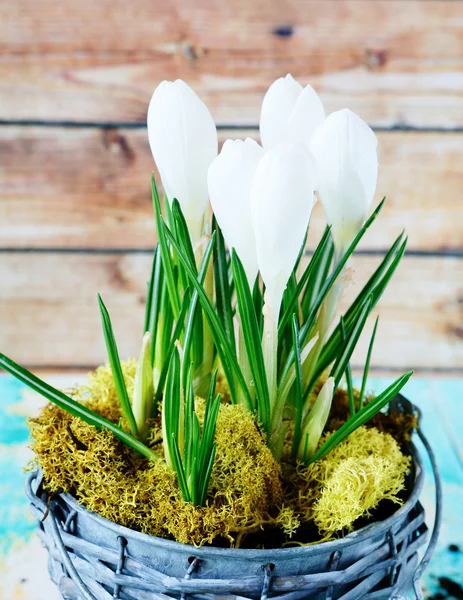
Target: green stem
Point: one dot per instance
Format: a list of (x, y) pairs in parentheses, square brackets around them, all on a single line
[(270, 352), (243, 361)]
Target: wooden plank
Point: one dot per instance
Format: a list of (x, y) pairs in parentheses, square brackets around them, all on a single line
[(90, 188), (49, 313), (391, 61)]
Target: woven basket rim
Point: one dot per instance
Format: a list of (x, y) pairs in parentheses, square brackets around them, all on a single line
[(355, 537)]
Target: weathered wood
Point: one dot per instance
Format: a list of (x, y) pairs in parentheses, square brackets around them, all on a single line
[(90, 188), (49, 313), (393, 62)]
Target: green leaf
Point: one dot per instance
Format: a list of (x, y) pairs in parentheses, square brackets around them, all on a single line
[(252, 341), (298, 401), (375, 286), (362, 416), (367, 365), (167, 261), (194, 314), (72, 406), (350, 386), (153, 300), (321, 269), (312, 315), (175, 336), (223, 292), (178, 468), (308, 273), (351, 341), (171, 408), (116, 368), (227, 355)]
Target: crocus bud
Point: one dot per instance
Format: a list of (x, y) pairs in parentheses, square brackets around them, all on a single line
[(316, 421), (345, 150), (289, 113), (282, 197), (229, 179), (183, 140), (143, 393)]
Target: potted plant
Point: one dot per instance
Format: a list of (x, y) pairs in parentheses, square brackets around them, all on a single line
[(227, 462)]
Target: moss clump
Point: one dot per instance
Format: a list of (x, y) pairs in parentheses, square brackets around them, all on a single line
[(250, 494), (351, 481), (113, 481)]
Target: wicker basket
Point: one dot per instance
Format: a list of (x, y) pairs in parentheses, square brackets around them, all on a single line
[(91, 558)]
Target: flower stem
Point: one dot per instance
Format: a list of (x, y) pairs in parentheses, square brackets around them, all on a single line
[(270, 348)]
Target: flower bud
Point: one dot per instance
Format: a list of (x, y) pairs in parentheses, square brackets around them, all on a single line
[(345, 150), (183, 140), (289, 113), (229, 180), (282, 197)]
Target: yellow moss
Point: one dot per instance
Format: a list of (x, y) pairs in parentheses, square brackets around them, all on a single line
[(113, 481), (350, 481), (249, 491)]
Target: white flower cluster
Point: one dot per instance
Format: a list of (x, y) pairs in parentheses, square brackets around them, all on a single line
[(262, 195)]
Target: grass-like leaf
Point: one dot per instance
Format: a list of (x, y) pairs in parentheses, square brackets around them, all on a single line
[(308, 273), (153, 300), (194, 313), (320, 271), (350, 386), (116, 368), (223, 292), (367, 365), (307, 326), (179, 326), (171, 408), (165, 252), (227, 355), (298, 401), (375, 286), (252, 341), (362, 416), (351, 341), (340, 266), (72, 406)]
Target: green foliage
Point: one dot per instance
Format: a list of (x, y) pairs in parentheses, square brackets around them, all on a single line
[(72, 406), (201, 313)]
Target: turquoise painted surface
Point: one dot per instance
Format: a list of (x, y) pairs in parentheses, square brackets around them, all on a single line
[(441, 401)]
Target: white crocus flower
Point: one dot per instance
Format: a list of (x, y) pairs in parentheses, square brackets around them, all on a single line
[(229, 180), (282, 197), (345, 150), (289, 113), (183, 140)]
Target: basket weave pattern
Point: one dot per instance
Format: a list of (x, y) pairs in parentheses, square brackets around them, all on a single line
[(106, 567)]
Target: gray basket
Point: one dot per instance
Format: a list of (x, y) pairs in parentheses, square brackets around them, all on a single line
[(91, 558)]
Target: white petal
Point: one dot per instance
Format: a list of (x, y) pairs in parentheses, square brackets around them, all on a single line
[(306, 116), (277, 106), (229, 181), (281, 204), (345, 149), (183, 140)]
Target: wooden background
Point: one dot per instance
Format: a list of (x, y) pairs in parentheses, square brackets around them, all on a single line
[(75, 211)]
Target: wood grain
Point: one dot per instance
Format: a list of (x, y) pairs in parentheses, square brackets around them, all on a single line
[(90, 188), (49, 313), (393, 62)]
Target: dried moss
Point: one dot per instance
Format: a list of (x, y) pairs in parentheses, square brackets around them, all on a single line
[(349, 482), (113, 481), (250, 494)]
